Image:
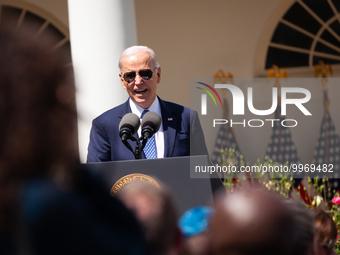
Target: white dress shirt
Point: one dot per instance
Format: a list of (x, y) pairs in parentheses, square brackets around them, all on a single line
[(159, 136)]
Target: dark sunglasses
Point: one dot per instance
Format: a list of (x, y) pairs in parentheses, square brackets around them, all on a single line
[(145, 74)]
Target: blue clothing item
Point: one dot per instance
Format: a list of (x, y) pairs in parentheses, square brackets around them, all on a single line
[(195, 221), (150, 150)]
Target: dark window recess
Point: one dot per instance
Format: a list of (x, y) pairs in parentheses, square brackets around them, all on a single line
[(300, 17), (335, 26), (327, 36), (10, 15), (320, 47), (34, 21), (52, 33), (284, 58), (325, 60), (320, 8), (288, 36), (336, 3)]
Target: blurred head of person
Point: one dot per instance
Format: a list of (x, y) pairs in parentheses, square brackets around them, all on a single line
[(325, 233), (251, 222), (37, 109), (157, 212), (303, 235)]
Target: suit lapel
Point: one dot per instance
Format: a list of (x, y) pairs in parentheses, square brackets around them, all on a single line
[(124, 109), (169, 120)]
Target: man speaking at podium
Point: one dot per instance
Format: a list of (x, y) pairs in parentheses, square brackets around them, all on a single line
[(180, 126)]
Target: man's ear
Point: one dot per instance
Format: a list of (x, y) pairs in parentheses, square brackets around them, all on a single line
[(122, 81), (159, 75)]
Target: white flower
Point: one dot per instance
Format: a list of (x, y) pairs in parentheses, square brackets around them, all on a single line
[(318, 200)]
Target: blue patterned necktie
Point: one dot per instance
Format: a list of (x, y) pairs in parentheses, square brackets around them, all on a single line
[(150, 150)]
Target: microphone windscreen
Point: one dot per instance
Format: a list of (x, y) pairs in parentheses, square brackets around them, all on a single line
[(130, 121), (153, 120)]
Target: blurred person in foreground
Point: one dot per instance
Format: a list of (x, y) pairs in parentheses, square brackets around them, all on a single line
[(251, 222), (157, 212), (48, 206), (304, 232), (326, 233)]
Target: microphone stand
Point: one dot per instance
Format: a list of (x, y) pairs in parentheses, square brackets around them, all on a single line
[(146, 134), (140, 146), (138, 149)]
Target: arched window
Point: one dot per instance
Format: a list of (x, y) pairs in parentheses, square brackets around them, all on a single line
[(42, 24), (308, 32)]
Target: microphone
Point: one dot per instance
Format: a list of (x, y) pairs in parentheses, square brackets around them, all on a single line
[(150, 124), (128, 126)]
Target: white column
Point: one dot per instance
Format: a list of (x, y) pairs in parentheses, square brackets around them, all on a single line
[(99, 30)]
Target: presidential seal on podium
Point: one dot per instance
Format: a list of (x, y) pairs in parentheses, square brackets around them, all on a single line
[(127, 179)]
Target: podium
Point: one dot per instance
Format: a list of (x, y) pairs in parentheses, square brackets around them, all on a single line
[(173, 172)]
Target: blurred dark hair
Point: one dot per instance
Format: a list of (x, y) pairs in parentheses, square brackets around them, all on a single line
[(325, 229), (303, 234), (37, 112)]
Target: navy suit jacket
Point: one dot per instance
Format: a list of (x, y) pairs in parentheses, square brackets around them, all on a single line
[(183, 134)]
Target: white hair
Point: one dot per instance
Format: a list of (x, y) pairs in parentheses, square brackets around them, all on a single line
[(136, 49)]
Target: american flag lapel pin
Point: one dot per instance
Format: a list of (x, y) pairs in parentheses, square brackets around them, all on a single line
[(170, 119)]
